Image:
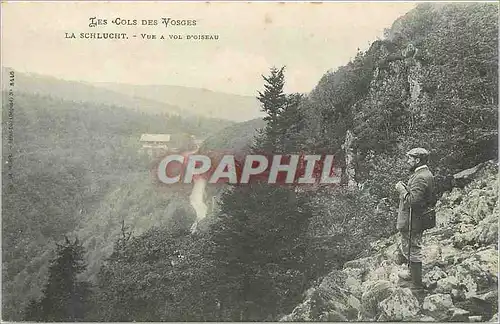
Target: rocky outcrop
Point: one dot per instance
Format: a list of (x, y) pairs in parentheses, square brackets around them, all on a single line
[(350, 172), (460, 267)]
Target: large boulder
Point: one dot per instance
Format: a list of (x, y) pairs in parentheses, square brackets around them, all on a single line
[(464, 177), (332, 296), (430, 278), (390, 253), (488, 258), (484, 304), (439, 306), (476, 273), (375, 292), (401, 305), (465, 235), (432, 254), (485, 233), (363, 263), (386, 271), (353, 281), (478, 204), (467, 174), (446, 285)]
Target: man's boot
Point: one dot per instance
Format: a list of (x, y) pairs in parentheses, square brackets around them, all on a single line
[(412, 277), (417, 288), (416, 274)]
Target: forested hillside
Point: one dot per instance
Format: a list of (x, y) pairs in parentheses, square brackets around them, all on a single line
[(72, 161), (236, 138), (431, 82)]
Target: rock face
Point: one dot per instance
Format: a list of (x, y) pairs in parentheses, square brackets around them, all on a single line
[(460, 267), (349, 159)]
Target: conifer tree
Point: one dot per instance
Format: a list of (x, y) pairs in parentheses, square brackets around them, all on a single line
[(272, 98), (259, 238), (64, 295), (273, 103)]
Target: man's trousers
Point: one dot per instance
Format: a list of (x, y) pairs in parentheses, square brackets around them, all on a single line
[(416, 245)]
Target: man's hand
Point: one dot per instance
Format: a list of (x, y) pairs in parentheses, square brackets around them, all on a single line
[(400, 187)]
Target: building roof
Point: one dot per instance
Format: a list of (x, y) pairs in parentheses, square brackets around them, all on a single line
[(155, 138)]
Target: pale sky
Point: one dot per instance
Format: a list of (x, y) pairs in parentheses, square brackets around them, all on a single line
[(308, 38)]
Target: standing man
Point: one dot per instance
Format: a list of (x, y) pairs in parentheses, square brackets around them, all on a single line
[(417, 200)]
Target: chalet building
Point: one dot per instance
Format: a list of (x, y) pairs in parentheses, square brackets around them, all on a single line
[(155, 144), (158, 144)]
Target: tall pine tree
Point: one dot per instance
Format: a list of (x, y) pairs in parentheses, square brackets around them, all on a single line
[(260, 237), (65, 296), (273, 103), (272, 98)]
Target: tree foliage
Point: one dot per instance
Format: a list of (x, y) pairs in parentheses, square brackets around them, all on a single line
[(65, 297), (157, 276), (69, 161)]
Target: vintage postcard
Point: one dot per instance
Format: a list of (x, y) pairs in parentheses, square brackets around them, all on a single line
[(249, 161)]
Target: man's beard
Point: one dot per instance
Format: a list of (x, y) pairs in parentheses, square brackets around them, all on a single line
[(412, 167)]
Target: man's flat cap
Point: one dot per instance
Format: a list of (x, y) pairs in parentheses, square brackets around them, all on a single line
[(418, 152)]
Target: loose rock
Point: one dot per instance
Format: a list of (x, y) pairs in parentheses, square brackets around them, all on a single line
[(401, 305), (439, 306)]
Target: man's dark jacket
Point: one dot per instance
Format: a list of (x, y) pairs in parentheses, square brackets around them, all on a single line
[(421, 195)]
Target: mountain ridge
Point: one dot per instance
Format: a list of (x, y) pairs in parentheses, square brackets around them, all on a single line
[(105, 84), (203, 101), (151, 99), (45, 85)]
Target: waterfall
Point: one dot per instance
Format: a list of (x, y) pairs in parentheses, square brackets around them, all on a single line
[(197, 201)]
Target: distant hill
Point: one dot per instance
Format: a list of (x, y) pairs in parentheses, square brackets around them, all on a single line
[(151, 99), (235, 138), (86, 92), (196, 101)]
